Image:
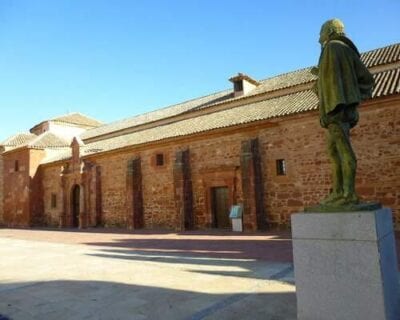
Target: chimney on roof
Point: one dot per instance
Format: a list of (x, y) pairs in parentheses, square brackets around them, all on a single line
[(242, 84)]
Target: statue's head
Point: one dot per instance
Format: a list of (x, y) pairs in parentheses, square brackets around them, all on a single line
[(330, 28)]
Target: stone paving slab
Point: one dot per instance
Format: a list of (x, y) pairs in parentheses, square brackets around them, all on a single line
[(91, 275)]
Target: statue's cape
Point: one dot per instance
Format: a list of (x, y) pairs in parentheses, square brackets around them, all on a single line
[(342, 78)]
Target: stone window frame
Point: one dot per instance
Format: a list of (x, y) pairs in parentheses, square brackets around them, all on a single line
[(270, 164), (155, 158)]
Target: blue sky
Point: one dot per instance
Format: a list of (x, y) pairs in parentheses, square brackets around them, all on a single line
[(112, 59)]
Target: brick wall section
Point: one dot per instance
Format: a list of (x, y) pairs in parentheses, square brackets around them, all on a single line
[(158, 190), (158, 199), (36, 205), (187, 191), (248, 185), (254, 217), (22, 188), (16, 189), (215, 160), (183, 190), (377, 139), (52, 185), (113, 187), (301, 142), (135, 193)]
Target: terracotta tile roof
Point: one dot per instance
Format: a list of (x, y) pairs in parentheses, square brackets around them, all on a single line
[(293, 103), (372, 58), (385, 55), (155, 115), (18, 139), (275, 83), (48, 140), (77, 119), (286, 80), (387, 83), (58, 155)]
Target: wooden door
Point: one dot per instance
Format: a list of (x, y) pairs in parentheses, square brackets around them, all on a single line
[(220, 207)]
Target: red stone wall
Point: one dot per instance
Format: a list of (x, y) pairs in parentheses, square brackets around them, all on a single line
[(113, 187), (158, 189), (157, 184), (377, 145), (215, 161), (16, 189), (52, 184), (301, 142), (36, 187)]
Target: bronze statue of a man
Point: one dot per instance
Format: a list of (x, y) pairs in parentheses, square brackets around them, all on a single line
[(343, 82)]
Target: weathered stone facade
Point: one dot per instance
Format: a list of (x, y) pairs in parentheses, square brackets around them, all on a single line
[(273, 166), (22, 191), (217, 160)]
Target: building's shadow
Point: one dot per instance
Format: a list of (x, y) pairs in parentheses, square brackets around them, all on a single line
[(111, 300), (277, 248), (253, 258)]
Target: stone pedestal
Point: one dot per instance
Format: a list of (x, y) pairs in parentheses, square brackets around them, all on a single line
[(345, 266)]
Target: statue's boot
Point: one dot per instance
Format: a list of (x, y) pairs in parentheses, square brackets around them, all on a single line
[(333, 197), (348, 199)]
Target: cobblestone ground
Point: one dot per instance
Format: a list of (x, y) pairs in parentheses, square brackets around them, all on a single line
[(99, 274)]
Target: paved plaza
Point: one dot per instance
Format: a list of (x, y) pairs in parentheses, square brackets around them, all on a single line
[(114, 274), (99, 274)]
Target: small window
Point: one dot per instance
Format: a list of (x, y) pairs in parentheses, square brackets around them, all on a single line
[(159, 159), (16, 166), (281, 167), (53, 200)]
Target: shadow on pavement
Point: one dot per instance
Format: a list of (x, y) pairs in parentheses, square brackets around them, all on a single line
[(246, 268), (228, 252), (110, 300), (277, 249)]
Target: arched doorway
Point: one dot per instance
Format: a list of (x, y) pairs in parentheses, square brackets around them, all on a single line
[(75, 205)]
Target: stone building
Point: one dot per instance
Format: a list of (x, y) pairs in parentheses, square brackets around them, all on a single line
[(258, 145)]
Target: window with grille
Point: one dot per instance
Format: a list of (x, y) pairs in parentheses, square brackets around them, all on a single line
[(281, 167)]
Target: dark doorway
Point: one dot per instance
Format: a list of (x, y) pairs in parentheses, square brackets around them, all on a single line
[(220, 207), (75, 205)]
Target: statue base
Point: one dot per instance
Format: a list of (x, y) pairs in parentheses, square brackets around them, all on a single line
[(345, 266)]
